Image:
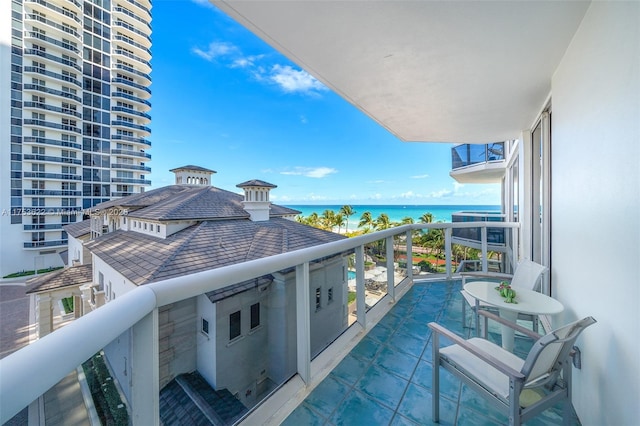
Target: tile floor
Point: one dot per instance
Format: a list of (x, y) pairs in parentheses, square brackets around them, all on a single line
[(386, 379)]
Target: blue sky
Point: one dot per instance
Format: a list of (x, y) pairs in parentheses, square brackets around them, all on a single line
[(225, 100)]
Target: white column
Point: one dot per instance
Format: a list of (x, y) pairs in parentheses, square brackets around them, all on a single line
[(303, 316), (45, 315), (145, 377)]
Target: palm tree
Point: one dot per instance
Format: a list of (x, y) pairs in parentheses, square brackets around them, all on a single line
[(382, 222), (408, 220), (348, 211), (426, 218), (327, 220), (338, 220), (366, 220)]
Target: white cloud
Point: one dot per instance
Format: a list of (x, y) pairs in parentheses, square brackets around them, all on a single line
[(216, 50), (291, 80), (420, 176), (303, 119), (312, 172), (441, 194), (375, 181), (457, 186)]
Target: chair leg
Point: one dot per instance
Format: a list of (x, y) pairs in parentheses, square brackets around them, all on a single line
[(464, 313), (435, 379), (515, 387), (567, 408)]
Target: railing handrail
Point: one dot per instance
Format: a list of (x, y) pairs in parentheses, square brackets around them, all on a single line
[(127, 310)]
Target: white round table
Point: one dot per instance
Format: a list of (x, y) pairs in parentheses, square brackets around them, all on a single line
[(528, 302)]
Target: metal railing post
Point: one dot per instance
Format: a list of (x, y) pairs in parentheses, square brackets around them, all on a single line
[(409, 246), (447, 250), (303, 315), (483, 239), (360, 295), (391, 290)]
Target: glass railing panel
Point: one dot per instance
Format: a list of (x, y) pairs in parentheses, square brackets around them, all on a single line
[(470, 154)]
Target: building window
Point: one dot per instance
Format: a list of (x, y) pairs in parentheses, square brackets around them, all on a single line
[(234, 325), (330, 295), (318, 304), (255, 315), (205, 326), (100, 281)]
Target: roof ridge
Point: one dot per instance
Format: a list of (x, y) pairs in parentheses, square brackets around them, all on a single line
[(186, 241)]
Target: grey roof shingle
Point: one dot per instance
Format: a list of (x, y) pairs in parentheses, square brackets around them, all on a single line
[(256, 182), (182, 202), (74, 276), (78, 229), (190, 167), (207, 245)]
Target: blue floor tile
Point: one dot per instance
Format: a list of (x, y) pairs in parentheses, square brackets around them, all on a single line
[(386, 379), (359, 409)]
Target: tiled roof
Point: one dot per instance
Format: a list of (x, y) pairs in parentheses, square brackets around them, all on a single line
[(207, 245), (190, 167), (74, 276), (78, 229), (182, 202), (256, 182)]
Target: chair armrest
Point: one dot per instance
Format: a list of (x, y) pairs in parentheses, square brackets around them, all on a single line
[(516, 327), (486, 275), (474, 350)]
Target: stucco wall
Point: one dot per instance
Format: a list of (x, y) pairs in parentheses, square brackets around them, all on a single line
[(206, 355), (177, 339), (595, 201)]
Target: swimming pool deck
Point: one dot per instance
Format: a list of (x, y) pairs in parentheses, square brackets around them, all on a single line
[(386, 378)]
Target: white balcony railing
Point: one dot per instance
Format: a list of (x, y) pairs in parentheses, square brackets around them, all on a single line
[(51, 358)]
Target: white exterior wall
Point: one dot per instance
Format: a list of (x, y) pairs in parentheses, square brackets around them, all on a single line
[(206, 355), (114, 282), (78, 251), (595, 201)]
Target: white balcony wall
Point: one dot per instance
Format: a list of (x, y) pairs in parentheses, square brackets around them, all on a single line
[(595, 200), (206, 344)]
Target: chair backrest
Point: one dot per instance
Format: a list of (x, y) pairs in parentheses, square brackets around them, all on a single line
[(527, 275), (548, 354)]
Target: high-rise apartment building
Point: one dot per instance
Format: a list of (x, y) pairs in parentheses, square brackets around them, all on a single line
[(74, 117)]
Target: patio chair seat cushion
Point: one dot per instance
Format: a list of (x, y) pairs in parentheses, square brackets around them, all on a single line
[(494, 380)]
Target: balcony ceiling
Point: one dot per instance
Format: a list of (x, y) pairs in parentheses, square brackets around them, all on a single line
[(437, 71)]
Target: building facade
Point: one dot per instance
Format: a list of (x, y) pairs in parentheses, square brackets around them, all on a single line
[(75, 118)]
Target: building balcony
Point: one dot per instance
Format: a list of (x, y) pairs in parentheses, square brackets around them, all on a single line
[(130, 125), (145, 104), (43, 123), (391, 358), (129, 153), (141, 6), (141, 50), (55, 92), (61, 30), (43, 227), (132, 18), (54, 142), (52, 159), (131, 84), (52, 193), (46, 107), (145, 65), (41, 244), (56, 76), (475, 163), (53, 58), (52, 42), (64, 15), (141, 141), (121, 193), (51, 176), (131, 167), (131, 181), (132, 72), (131, 113), (497, 238)]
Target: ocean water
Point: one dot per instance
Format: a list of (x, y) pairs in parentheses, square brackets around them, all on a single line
[(441, 213)]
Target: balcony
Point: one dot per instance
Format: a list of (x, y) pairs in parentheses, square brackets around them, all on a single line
[(51, 158), (363, 346), (497, 238), (142, 141), (475, 163), (127, 152), (41, 244), (131, 181), (131, 167)]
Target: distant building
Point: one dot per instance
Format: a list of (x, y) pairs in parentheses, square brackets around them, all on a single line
[(190, 227), (74, 119)]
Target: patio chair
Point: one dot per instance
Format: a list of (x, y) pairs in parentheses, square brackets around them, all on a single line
[(527, 275), (501, 377)]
